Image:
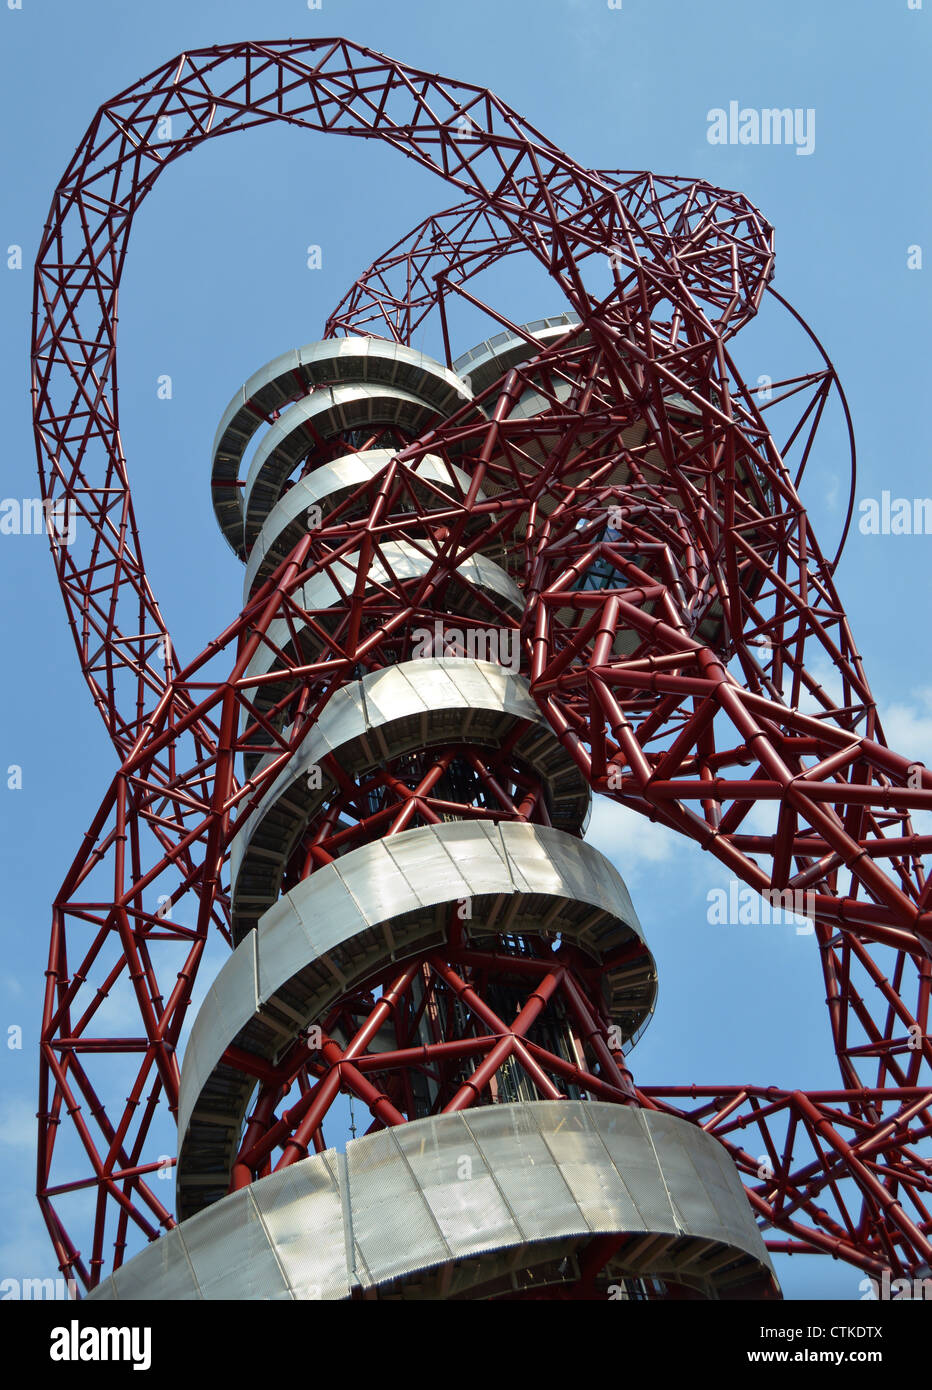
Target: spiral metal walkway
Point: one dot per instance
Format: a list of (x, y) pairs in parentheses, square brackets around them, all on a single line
[(454, 955)]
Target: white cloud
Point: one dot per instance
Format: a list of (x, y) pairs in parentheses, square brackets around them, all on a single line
[(629, 840), (831, 493), (907, 725), (821, 669)]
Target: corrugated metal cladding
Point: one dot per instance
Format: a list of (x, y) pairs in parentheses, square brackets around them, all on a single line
[(330, 931), (485, 1201)]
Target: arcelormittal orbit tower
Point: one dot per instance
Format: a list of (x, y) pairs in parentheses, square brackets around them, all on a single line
[(478, 587)]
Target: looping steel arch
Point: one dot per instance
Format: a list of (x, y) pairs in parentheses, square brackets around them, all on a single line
[(675, 683), (417, 276), (558, 210)]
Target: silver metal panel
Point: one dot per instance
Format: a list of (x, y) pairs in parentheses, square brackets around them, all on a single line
[(312, 1256), (459, 1187), (578, 1148), (327, 412), (483, 680), (385, 700), (477, 850), (326, 483), (274, 386), (495, 1189), (487, 361), (286, 932), (230, 1003), (530, 1183), (379, 887), (236, 1237), (390, 1215), (379, 882), (423, 683), (318, 358), (163, 1265)]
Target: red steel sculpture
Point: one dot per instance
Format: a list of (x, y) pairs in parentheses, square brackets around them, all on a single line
[(385, 825)]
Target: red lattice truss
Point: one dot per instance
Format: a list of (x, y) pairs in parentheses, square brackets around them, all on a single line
[(721, 586)]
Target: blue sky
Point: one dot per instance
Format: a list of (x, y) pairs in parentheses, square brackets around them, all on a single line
[(217, 283)]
